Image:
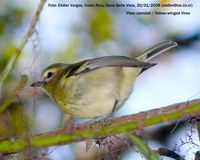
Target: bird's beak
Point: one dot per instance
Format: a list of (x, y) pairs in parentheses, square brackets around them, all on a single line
[(38, 84)]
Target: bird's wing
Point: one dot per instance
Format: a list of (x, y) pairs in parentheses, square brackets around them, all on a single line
[(107, 61)]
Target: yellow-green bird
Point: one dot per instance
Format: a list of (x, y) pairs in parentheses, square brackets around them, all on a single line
[(96, 87)]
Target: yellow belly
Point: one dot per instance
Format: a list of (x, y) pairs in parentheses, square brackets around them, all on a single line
[(94, 94)]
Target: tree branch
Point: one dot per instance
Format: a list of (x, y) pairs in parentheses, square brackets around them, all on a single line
[(22, 82), (123, 124), (25, 39)]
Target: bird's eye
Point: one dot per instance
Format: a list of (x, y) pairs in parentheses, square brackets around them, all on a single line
[(49, 74)]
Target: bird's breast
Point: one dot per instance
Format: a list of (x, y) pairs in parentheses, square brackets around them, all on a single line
[(94, 94)]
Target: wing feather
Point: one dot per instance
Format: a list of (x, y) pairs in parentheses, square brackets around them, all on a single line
[(107, 61)]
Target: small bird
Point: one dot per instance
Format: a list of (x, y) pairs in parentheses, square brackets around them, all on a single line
[(96, 87)]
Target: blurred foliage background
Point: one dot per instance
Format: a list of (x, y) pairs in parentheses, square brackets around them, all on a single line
[(71, 34)]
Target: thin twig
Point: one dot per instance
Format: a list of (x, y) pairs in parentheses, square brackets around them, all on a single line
[(22, 82), (169, 153), (11, 64)]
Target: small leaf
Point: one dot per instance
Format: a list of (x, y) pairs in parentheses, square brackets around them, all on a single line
[(143, 148)]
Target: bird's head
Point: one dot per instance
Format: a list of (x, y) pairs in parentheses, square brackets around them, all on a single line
[(50, 76)]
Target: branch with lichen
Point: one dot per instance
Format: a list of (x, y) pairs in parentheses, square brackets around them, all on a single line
[(124, 124)]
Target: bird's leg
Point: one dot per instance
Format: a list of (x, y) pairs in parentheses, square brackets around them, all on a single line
[(114, 107), (105, 121), (68, 124), (105, 118)]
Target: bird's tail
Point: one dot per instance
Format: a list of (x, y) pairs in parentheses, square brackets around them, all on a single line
[(156, 50)]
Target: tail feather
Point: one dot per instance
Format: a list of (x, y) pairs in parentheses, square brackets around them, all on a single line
[(156, 50)]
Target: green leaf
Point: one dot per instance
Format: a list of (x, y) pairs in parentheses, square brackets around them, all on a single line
[(101, 25), (143, 148)]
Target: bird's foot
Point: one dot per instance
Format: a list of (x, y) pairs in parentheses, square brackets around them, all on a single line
[(68, 126)]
